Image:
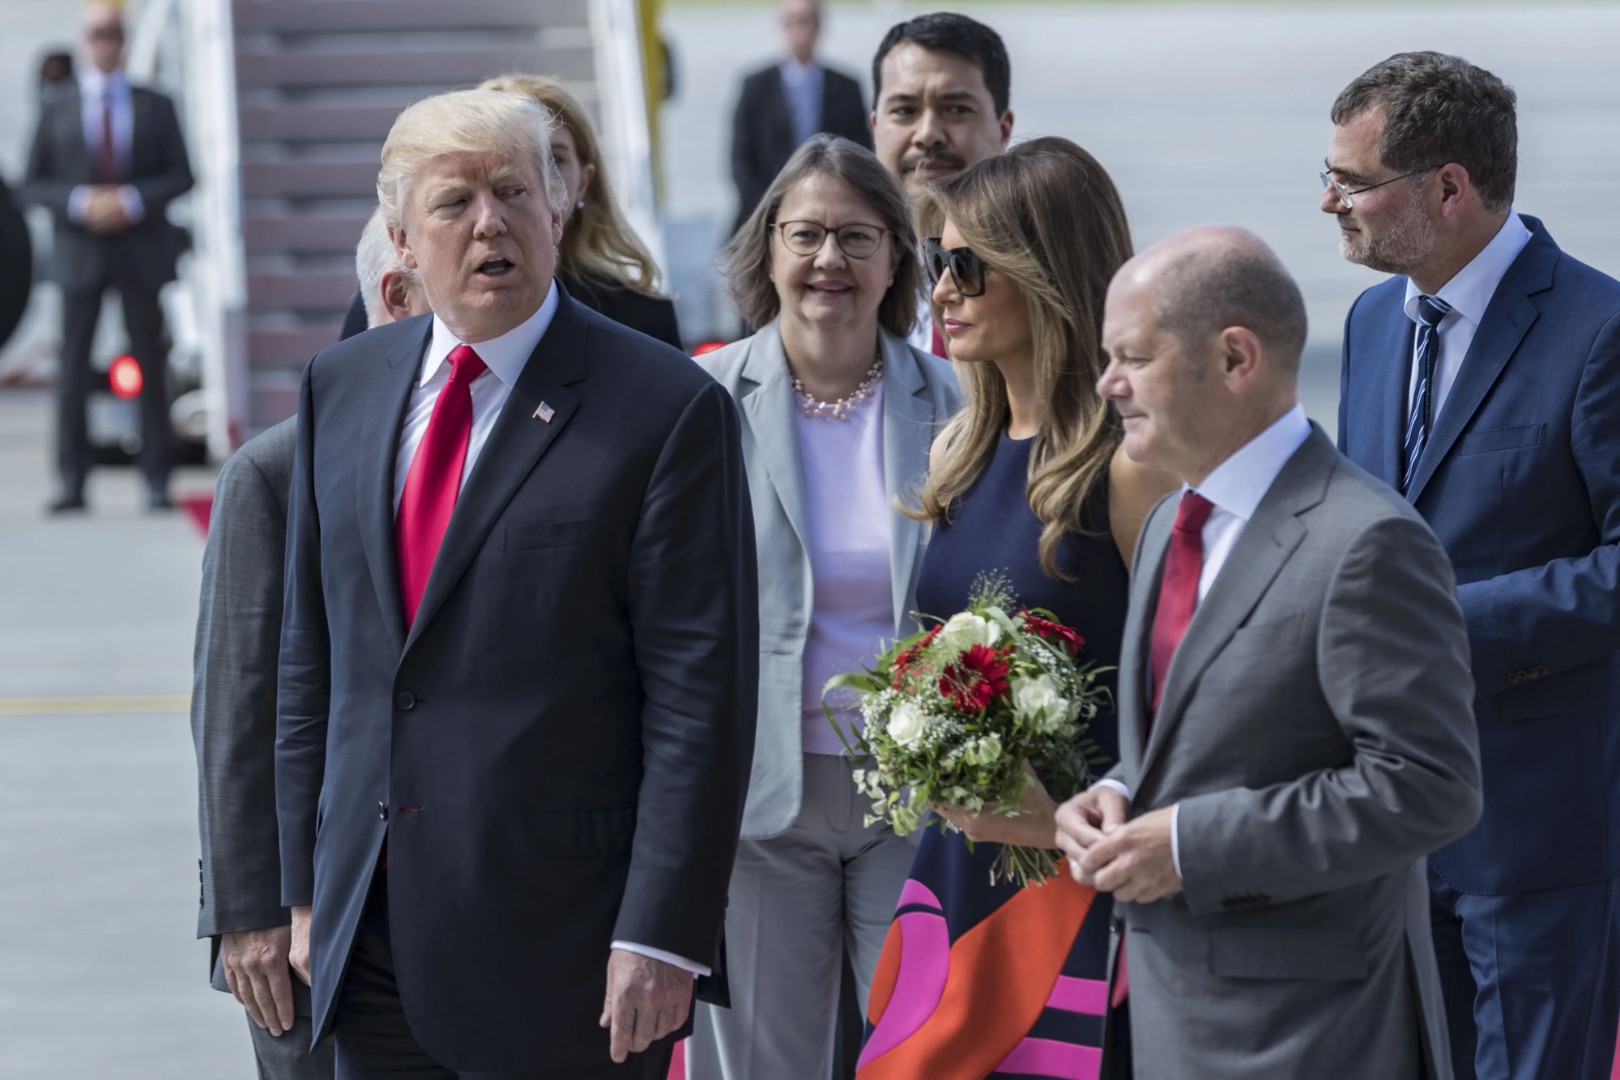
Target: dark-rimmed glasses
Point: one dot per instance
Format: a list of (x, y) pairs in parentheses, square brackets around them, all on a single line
[(1345, 193), (856, 240), (966, 268)]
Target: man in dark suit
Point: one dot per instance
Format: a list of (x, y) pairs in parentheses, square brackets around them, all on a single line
[(107, 159), (233, 715), (1483, 381), (519, 648), (785, 103)]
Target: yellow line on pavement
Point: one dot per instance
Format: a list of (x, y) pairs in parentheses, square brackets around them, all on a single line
[(95, 706)]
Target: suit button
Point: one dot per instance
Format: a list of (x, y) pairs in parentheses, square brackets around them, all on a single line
[(382, 810), (1116, 924), (405, 700), (1513, 678)]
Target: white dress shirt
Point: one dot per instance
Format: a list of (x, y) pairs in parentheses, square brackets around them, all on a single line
[(1469, 293), (801, 85), (1235, 487), (114, 87), (505, 357)]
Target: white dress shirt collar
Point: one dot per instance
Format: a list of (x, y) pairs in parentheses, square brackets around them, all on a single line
[(1470, 290), (1239, 483), (505, 356), (93, 83)]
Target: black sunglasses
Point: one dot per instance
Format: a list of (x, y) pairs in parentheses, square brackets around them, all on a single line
[(966, 268)]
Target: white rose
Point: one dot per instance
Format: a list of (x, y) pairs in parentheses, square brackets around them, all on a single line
[(906, 724), (965, 629), (1032, 697)]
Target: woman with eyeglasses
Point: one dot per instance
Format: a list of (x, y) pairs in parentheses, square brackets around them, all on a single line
[(1026, 482), (838, 413)]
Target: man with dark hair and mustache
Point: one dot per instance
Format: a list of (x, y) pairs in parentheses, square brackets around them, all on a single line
[(940, 89)]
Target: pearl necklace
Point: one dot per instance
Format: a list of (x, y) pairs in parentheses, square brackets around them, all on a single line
[(816, 409)]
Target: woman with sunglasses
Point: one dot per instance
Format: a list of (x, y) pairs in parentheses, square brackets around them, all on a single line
[(838, 413), (1026, 482)]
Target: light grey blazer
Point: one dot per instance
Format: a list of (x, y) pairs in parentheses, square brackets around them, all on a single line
[(919, 395), (1317, 729), (233, 693)]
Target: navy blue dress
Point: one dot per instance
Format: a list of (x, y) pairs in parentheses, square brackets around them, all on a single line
[(978, 980)]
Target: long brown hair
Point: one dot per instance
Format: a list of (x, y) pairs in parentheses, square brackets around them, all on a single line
[(1047, 217), (598, 244)]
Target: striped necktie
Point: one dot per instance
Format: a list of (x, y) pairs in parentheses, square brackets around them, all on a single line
[(1430, 311)]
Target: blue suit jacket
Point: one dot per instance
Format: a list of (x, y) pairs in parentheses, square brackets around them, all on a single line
[(1521, 483), (557, 749)]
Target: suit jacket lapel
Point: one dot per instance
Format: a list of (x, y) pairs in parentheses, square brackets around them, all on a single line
[(379, 438), (767, 400), (1394, 355), (73, 137), (1261, 551), (515, 445), (1135, 694), (1508, 317), (908, 427)]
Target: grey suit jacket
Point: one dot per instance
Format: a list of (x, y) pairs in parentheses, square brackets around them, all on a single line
[(233, 695), (1317, 729), (159, 169), (919, 395)]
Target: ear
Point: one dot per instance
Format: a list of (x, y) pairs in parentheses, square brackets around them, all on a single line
[(1455, 187), (557, 215), (1242, 356), (396, 295), (402, 245), (586, 175), (1006, 123)]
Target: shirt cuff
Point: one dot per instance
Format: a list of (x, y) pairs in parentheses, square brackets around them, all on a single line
[(667, 957), (1175, 837), (1117, 785), (77, 199), (134, 208)]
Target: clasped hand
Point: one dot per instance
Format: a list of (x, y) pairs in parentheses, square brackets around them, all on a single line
[(1132, 859), (646, 1000)]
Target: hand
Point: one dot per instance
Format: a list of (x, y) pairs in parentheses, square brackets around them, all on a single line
[(646, 1000), (256, 970), (1084, 820), (298, 952), (1135, 861), (104, 211), (1032, 827)]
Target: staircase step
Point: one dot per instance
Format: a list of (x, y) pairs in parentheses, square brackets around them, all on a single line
[(430, 68), (335, 179), (289, 350), (301, 290), (303, 234), (336, 16), (317, 123)]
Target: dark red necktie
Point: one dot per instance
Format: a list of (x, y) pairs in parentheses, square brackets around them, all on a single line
[(1178, 588), (107, 154), (434, 479), (936, 344)]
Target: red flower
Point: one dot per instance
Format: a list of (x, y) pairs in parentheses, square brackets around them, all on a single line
[(975, 680), (1054, 631), (907, 657)]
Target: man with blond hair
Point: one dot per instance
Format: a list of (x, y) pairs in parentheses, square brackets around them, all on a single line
[(519, 647)]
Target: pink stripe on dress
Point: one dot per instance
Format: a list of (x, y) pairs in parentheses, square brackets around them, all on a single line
[(1053, 1059), (1088, 996)]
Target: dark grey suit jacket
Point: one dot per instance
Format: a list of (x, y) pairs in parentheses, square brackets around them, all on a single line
[(159, 170), (1316, 729), (233, 696)]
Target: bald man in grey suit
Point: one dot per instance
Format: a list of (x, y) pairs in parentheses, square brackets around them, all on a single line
[(1296, 722), (233, 715)]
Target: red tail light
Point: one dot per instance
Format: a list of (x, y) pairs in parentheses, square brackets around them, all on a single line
[(709, 346), (124, 377)]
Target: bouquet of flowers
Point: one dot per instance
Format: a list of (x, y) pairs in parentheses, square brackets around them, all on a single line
[(951, 716)]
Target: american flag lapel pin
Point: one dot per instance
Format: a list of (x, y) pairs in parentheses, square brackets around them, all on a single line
[(544, 413)]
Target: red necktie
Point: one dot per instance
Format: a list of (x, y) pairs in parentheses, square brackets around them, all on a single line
[(107, 155), (1178, 589), (936, 344), (434, 479)]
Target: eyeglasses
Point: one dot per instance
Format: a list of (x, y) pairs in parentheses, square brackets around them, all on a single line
[(855, 240), (1344, 193), (105, 33), (966, 268)]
